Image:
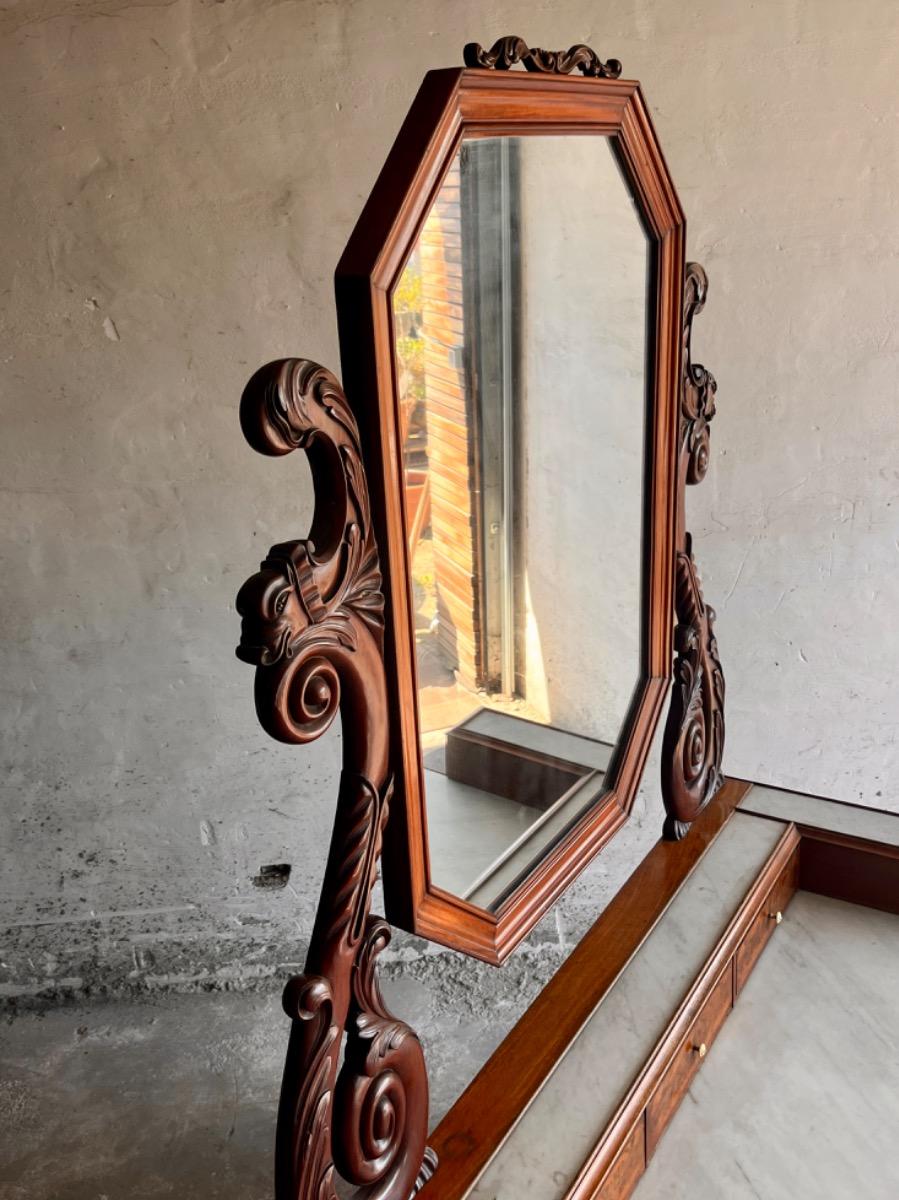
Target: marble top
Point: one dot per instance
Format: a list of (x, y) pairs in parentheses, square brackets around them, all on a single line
[(849, 819), (557, 1132), (800, 1096)]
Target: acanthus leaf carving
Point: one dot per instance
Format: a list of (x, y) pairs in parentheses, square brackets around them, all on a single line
[(379, 1089), (699, 386), (693, 742), (309, 1000), (313, 626)]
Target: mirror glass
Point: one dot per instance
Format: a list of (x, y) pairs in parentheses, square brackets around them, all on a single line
[(520, 327)]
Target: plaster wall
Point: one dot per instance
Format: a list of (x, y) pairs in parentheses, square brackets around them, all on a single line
[(179, 181), (582, 416)]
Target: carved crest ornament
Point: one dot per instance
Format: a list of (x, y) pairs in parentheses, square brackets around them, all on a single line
[(313, 627), (508, 51)]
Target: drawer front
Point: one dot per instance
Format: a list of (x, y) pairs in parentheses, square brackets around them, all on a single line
[(688, 1059), (627, 1167), (765, 922)]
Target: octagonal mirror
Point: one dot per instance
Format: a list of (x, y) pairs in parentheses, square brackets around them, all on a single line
[(508, 301), (522, 402)]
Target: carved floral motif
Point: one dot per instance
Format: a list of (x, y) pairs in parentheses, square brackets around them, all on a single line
[(380, 1141)]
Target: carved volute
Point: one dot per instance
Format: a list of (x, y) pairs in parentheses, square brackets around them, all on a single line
[(693, 742), (313, 627)]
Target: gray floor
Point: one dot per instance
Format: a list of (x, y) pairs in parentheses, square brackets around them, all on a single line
[(139, 1100), (799, 1097), (129, 1101)]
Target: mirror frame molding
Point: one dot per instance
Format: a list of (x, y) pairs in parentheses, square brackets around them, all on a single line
[(449, 104)]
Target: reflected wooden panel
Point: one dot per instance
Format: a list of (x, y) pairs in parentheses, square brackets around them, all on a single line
[(522, 406)]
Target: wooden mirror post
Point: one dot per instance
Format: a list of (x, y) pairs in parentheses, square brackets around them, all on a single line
[(313, 626), (693, 742)]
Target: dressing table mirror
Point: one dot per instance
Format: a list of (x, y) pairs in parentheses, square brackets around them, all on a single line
[(522, 416), (497, 588)]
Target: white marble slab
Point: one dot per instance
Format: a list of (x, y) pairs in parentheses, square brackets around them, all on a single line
[(469, 829), (561, 1126), (482, 845), (849, 819), (799, 1097)]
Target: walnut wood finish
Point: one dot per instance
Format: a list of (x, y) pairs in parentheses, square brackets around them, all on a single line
[(698, 1018), (313, 628), (765, 923), (625, 1172), (623, 1148), (470, 1133), (806, 857), (693, 743), (846, 867), (688, 1058), (479, 102), (850, 869)]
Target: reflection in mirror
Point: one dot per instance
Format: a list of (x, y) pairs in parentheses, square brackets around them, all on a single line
[(521, 344)]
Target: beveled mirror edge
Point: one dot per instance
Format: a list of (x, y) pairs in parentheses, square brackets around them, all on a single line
[(448, 102)]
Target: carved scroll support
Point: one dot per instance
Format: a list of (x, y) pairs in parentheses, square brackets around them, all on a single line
[(693, 743), (313, 627)]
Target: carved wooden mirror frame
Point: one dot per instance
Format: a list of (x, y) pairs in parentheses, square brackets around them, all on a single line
[(452, 103), (314, 622)]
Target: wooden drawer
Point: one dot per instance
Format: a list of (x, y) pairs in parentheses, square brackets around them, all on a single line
[(627, 1167), (765, 922), (688, 1058)]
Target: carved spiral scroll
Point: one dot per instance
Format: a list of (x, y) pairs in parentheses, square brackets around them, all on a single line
[(508, 51), (306, 1108), (693, 743), (316, 600), (313, 626), (381, 1088)]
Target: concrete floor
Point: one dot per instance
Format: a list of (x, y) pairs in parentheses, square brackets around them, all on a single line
[(125, 1101), (799, 1097), (133, 1100), (176, 1097)]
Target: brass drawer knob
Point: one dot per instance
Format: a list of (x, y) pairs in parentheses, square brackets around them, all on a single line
[(702, 1049), (776, 917)]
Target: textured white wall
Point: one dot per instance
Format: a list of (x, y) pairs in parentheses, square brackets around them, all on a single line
[(583, 430), (179, 181)]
